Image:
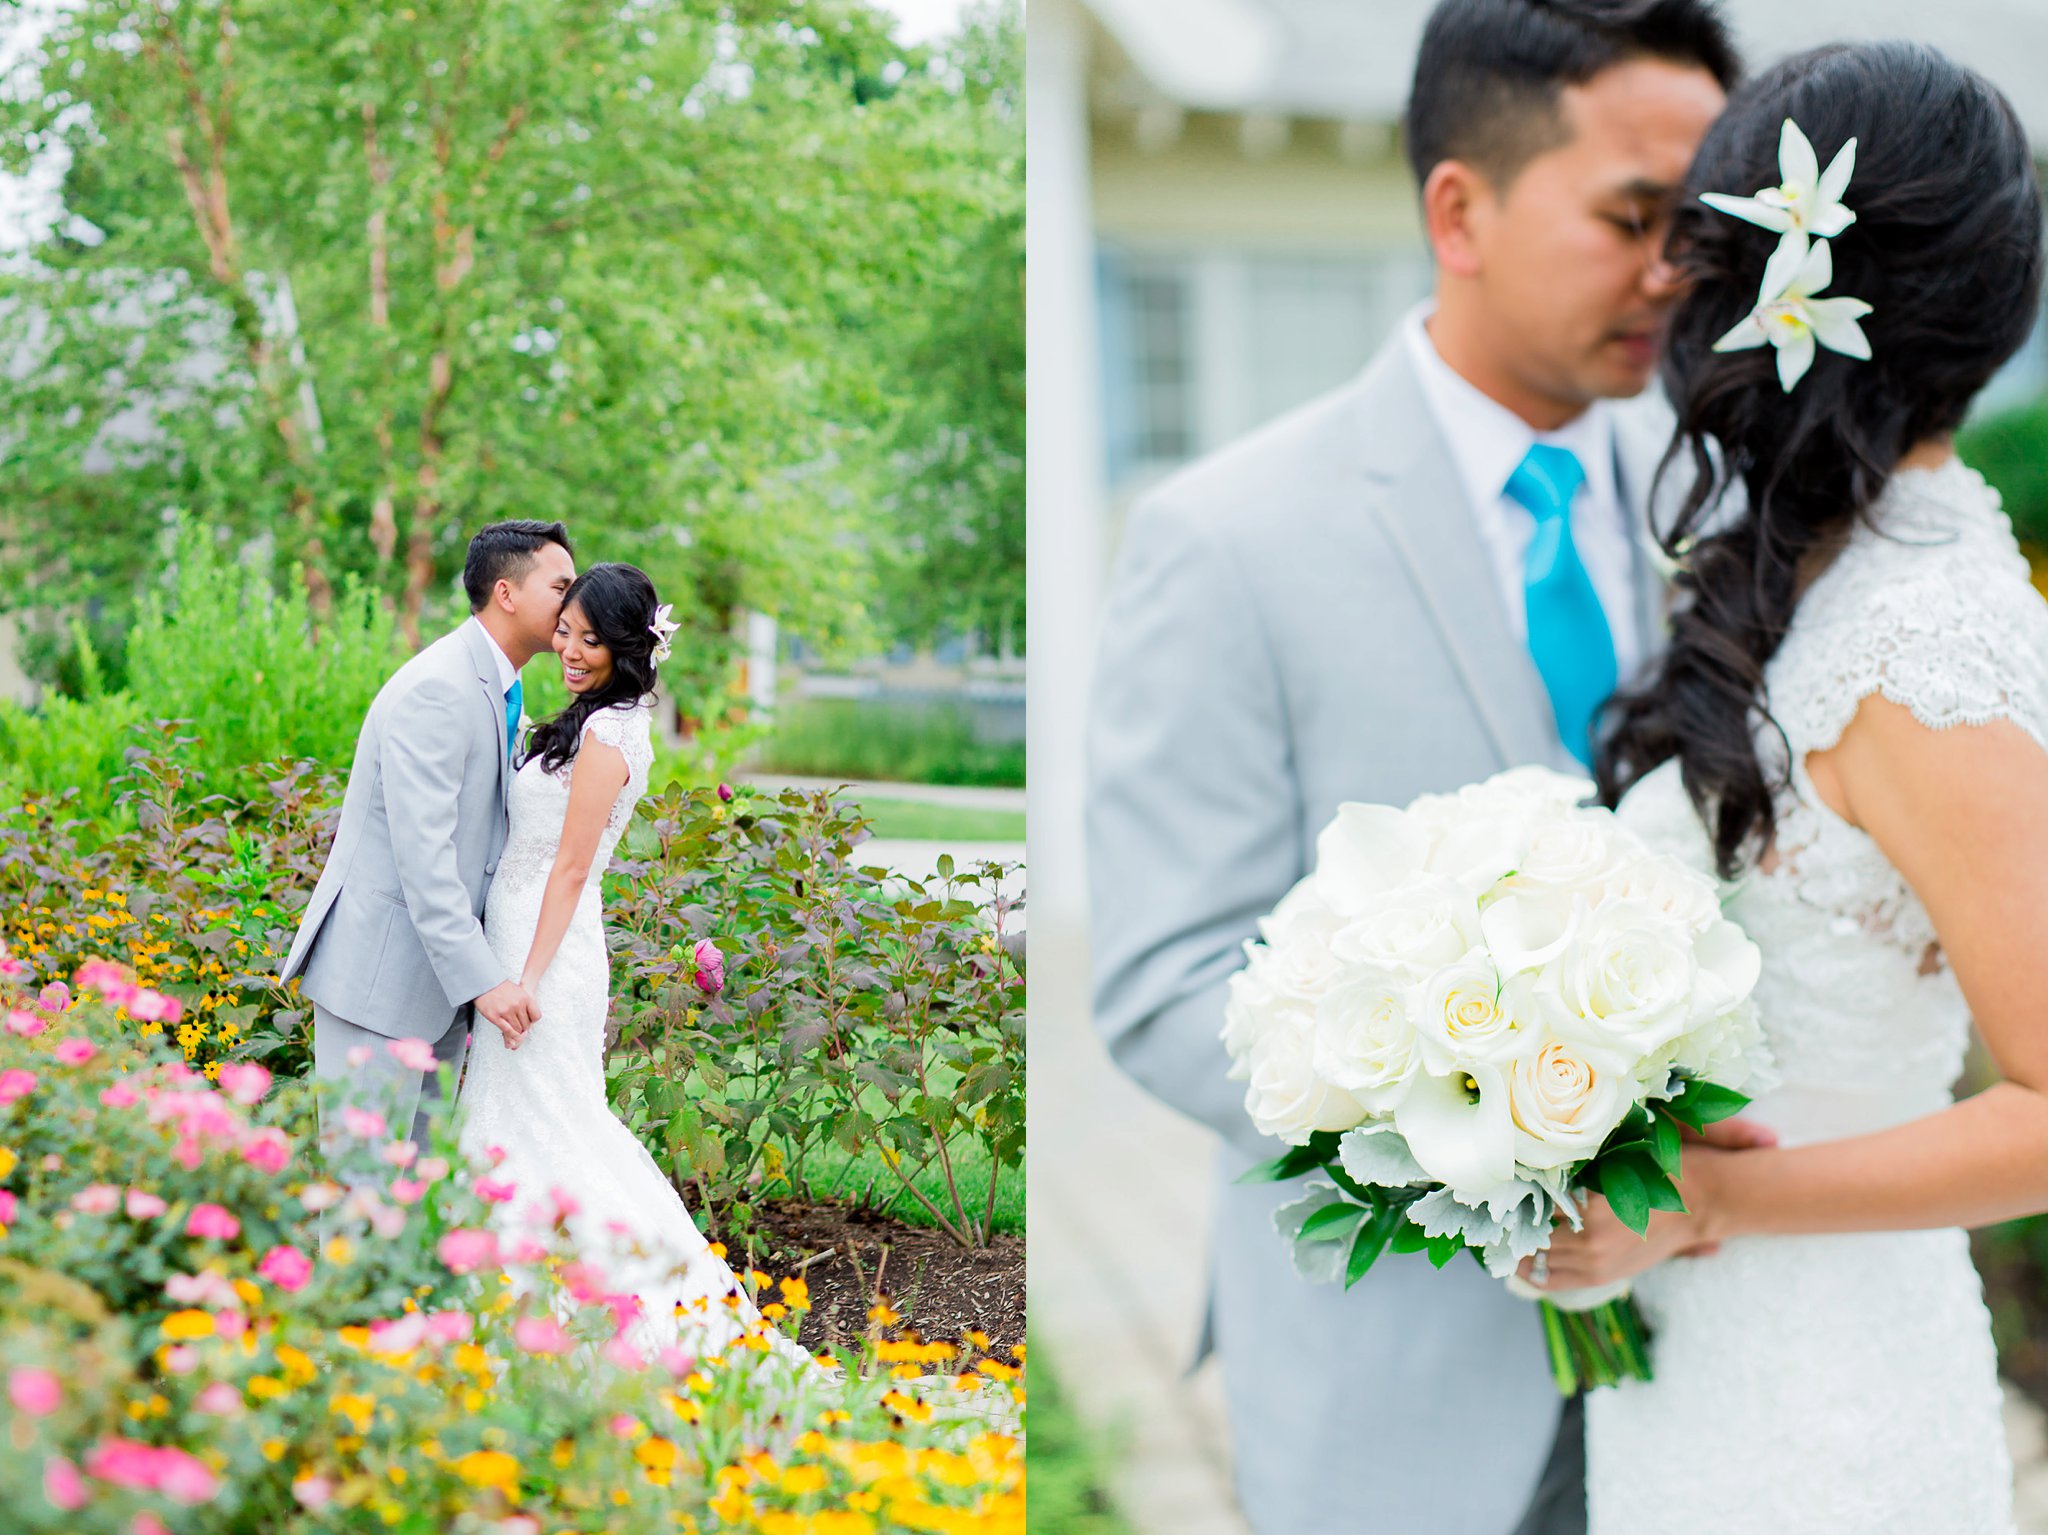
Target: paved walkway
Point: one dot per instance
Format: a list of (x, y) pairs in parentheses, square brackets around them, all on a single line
[(1117, 1209), (958, 795)]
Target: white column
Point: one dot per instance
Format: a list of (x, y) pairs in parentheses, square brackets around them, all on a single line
[(1063, 463)]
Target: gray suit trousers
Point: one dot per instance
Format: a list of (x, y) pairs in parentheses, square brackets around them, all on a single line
[(406, 1098)]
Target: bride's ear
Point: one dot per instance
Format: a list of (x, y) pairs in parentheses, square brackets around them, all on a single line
[(1453, 195)]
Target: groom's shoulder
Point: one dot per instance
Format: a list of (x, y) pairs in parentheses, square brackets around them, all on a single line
[(1296, 467), (440, 665)]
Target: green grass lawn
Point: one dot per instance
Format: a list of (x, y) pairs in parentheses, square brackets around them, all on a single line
[(915, 821), (1068, 1461), (835, 1175)]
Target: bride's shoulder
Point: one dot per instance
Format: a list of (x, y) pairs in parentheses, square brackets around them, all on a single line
[(1930, 602), (626, 726)]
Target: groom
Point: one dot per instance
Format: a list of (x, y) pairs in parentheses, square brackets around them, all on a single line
[(1432, 574), (392, 943)]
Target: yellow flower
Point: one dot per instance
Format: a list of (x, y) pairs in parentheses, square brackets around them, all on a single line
[(273, 1450), (266, 1387), (563, 1453), (357, 1408), (340, 1250), (8, 1161), (489, 1468), (183, 1326), (800, 1481), (298, 1367)]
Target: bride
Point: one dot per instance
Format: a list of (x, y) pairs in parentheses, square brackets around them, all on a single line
[(540, 1104), (1850, 722)]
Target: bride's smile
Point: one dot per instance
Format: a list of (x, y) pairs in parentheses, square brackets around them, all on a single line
[(586, 659)]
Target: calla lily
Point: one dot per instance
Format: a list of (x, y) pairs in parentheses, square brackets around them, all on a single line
[(1790, 318), (1807, 201), (1458, 1129)]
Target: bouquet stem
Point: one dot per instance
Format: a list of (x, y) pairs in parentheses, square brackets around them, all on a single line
[(1596, 1347)]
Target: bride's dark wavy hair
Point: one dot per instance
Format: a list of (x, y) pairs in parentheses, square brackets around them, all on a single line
[(619, 602), (1947, 249)]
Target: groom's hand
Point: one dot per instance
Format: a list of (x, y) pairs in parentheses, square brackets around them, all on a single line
[(512, 1008)]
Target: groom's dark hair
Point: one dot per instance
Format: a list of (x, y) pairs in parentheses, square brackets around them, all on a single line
[(504, 551), (1489, 72)]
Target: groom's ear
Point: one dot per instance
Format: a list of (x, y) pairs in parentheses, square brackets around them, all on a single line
[(1455, 201)]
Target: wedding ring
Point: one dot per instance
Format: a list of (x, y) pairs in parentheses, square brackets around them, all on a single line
[(1539, 1269)]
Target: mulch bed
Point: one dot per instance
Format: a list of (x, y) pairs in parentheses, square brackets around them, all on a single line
[(847, 1255)]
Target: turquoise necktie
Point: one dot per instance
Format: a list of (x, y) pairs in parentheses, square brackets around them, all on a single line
[(514, 695), (1568, 635)]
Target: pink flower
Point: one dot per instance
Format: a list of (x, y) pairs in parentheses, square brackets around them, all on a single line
[(463, 1250), (8, 1208), (203, 1289), (541, 1335), (362, 1124), (244, 1081), (97, 1199), (12, 968), (313, 1492), (398, 1335), (621, 1352), (185, 1478), (414, 1054), (320, 1196), (178, 1476), (212, 1221), (451, 1326), (526, 1250), (75, 1052), (154, 1007), (493, 1191), (407, 1190), (230, 1324), (432, 1169), (146, 1523), (561, 1205), (495, 1155), (16, 1083), (144, 1206), (285, 1267), (623, 1424), (180, 1359), (725, 793), (26, 1024), (120, 1095), (54, 998), (398, 1153), (63, 1486), (35, 1392), (678, 1362), (220, 1399), (97, 975), (267, 1150), (710, 977)]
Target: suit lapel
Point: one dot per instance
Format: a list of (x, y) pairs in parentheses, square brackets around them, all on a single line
[(1416, 492), (486, 666)]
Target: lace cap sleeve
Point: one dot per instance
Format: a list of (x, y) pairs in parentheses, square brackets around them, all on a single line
[(1955, 632), (628, 730)]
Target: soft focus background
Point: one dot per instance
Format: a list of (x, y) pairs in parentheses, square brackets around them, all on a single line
[(1220, 226), (295, 296)]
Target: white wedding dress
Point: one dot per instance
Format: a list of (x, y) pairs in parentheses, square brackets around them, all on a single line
[(544, 1104), (1841, 1385)]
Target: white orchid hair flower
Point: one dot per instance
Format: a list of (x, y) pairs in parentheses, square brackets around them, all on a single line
[(663, 629), (1806, 211), (1807, 200), (1791, 318)]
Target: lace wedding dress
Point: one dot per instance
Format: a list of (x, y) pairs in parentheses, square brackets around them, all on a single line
[(1841, 1384), (544, 1104)]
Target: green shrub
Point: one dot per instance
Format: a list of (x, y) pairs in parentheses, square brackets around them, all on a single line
[(2011, 451), (848, 738)]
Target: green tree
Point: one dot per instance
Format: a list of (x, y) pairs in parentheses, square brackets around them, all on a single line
[(361, 278)]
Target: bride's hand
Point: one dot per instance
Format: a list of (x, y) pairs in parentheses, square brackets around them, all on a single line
[(1603, 1250)]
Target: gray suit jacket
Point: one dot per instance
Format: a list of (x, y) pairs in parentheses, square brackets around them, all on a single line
[(1305, 618), (393, 938)]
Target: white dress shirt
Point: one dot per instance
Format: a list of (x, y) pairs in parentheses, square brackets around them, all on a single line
[(507, 672), (1487, 442)]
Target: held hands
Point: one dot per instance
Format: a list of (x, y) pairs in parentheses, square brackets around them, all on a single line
[(1603, 1250), (512, 1008)]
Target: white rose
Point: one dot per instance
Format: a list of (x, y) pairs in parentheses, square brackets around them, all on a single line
[(1666, 886), (1253, 1005), (1420, 927), (1578, 850), (1364, 1039), (1475, 850), (1285, 1097), (1461, 1017), (1526, 929), (1366, 852), (1729, 965), (1730, 1049), (1625, 981), (1563, 1105)]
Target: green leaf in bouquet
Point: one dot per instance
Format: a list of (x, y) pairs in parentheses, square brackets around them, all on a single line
[(1408, 1237), (1295, 1161), (1444, 1248), (1664, 1145), (1332, 1223), (1626, 1194), (1371, 1241), (1699, 1104)]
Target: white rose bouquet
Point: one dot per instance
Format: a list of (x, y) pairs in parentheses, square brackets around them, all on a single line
[(1474, 1007)]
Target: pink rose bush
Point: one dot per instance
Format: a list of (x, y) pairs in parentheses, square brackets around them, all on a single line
[(282, 1344)]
